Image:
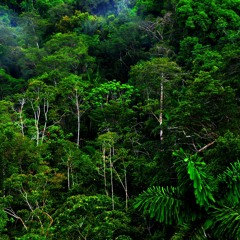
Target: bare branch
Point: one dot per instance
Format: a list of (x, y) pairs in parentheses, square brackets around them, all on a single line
[(10, 212), (208, 145)]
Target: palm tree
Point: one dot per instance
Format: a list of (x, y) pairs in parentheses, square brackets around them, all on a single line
[(199, 206)]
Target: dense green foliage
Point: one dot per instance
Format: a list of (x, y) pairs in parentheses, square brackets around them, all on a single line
[(119, 119)]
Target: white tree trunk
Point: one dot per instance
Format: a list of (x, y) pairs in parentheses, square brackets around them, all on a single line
[(37, 113), (111, 176), (104, 170), (161, 109), (22, 102), (45, 110), (161, 113)]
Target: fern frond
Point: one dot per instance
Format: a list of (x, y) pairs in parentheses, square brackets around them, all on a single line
[(190, 231), (161, 203), (225, 222)]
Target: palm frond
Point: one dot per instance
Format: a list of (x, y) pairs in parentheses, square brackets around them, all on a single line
[(231, 177), (191, 231), (202, 190), (161, 203), (197, 170), (225, 222)]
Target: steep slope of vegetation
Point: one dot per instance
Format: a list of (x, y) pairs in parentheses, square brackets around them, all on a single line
[(119, 119)]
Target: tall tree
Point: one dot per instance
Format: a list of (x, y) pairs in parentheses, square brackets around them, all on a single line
[(75, 89), (156, 79), (39, 96)]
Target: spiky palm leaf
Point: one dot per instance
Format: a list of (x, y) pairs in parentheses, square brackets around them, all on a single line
[(196, 168), (161, 203), (202, 189), (224, 222), (224, 219), (190, 231), (231, 178), (171, 204)]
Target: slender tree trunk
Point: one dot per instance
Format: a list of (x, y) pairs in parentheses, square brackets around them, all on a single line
[(37, 113), (37, 116), (78, 117), (22, 102), (124, 184), (111, 176), (161, 109), (45, 109), (104, 170)]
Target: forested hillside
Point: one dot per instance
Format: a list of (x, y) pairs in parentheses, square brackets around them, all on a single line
[(119, 119)]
